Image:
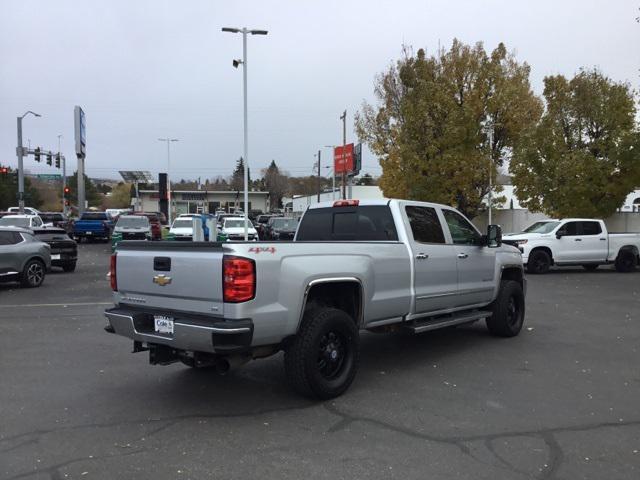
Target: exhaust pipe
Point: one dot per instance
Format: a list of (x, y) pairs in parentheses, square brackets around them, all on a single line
[(224, 364)]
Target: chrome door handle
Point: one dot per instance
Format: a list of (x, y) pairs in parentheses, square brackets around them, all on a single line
[(578, 239), (603, 239), (422, 256), (462, 255)]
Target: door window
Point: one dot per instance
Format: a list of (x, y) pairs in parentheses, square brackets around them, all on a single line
[(591, 228), (462, 232), (10, 238), (425, 224), (569, 229)]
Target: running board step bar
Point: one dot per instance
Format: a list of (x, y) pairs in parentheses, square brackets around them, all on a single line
[(434, 323)]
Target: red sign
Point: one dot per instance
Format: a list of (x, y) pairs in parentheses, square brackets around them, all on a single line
[(343, 161)]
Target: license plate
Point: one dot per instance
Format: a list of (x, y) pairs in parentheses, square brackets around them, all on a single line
[(55, 257), (89, 233), (163, 324)]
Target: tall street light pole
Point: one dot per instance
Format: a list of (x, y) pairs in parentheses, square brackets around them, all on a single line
[(168, 140), (20, 162), (245, 157), (343, 117), (64, 176)]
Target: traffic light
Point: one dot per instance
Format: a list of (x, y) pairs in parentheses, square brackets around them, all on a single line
[(36, 154), (67, 191), (67, 203), (4, 171), (57, 160), (49, 162)]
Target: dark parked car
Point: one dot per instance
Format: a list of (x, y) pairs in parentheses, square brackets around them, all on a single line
[(23, 258), (64, 250), (57, 219), (281, 228), (261, 224), (93, 225)]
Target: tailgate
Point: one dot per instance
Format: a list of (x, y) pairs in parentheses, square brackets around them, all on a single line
[(180, 276)]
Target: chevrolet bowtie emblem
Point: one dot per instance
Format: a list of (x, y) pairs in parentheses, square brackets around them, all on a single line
[(162, 280)]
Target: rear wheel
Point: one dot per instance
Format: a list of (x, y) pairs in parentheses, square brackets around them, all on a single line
[(508, 310), (539, 262), (322, 360), (626, 261), (590, 267), (33, 274)]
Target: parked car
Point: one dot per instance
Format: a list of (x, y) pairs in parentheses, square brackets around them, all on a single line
[(281, 228), (17, 220), (575, 241), (93, 225), (181, 229), (233, 229), (23, 258), (154, 221), (27, 210), (63, 249), (130, 227), (261, 224), (378, 265), (57, 219)]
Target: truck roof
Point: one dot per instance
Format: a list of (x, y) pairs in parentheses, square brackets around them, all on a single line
[(377, 201)]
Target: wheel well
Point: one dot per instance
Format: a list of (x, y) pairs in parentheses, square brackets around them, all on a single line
[(343, 295), (513, 273), (628, 248), (546, 249), (35, 257)]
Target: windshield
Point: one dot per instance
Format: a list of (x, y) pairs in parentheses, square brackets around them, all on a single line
[(541, 227), (133, 222), (183, 223), (15, 221), (284, 223), (233, 223)]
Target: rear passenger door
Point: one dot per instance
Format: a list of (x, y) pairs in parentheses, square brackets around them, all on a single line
[(435, 281), (594, 242), (475, 261)]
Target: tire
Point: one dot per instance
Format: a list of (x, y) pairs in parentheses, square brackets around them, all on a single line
[(69, 267), (508, 310), (539, 262), (590, 267), (33, 274), (626, 261), (322, 360)]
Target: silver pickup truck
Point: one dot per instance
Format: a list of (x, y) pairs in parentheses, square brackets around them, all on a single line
[(380, 265)]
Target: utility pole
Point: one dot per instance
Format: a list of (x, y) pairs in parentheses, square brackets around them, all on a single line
[(64, 177), (319, 176), (168, 140), (20, 154), (245, 157), (490, 169), (343, 117)]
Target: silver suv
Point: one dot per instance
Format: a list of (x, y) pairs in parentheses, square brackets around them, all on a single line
[(23, 258)]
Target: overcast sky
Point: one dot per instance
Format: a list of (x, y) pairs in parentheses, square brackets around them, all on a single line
[(148, 69)]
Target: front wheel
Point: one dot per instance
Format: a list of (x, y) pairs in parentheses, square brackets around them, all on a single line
[(33, 274), (322, 360), (508, 310), (539, 262)]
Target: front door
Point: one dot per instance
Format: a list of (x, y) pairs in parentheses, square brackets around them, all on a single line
[(475, 262), (569, 245), (434, 260)]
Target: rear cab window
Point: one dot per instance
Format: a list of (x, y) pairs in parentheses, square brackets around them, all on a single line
[(352, 223)]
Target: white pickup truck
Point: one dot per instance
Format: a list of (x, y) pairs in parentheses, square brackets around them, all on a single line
[(575, 241), (377, 265)]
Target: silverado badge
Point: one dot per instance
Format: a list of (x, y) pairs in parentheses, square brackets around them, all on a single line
[(162, 280)]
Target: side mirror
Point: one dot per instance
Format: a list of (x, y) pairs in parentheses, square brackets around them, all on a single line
[(559, 235), (494, 236)]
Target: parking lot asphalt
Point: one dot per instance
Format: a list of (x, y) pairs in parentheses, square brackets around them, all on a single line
[(562, 400)]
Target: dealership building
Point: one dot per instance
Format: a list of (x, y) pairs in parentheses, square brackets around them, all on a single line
[(202, 201)]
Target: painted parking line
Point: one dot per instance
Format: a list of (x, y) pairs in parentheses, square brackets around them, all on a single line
[(59, 304)]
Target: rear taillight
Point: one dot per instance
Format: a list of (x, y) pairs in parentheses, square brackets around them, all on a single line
[(112, 273), (346, 203), (238, 279)]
